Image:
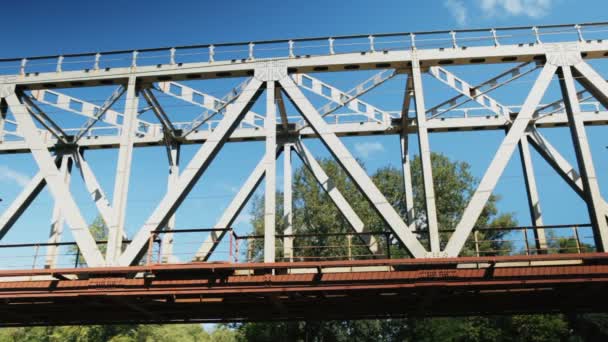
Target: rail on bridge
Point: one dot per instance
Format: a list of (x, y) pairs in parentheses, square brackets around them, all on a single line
[(58, 110)]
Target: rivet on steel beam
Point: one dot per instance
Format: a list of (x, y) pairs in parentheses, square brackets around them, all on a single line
[(59, 62), (211, 53), (291, 54), (331, 46)]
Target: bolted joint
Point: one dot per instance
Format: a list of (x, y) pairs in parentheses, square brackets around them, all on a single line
[(270, 71), (6, 90)]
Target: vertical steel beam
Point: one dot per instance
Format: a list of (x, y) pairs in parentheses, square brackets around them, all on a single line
[(59, 190), (334, 194), (405, 153), (353, 168), (270, 126), (123, 173), (287, 203), (405, 156), (499, 162), (584, 159), (193, 171), (532, 195), (425, 158), (57, 220), (166, 247)]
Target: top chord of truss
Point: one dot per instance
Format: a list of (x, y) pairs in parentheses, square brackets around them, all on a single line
[(369, 51)]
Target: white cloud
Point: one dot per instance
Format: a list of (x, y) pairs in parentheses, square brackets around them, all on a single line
[(366, 149), (529, 8), (9, 175), (458, 10)]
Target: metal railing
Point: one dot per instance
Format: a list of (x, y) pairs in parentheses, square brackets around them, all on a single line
[(305, 47)]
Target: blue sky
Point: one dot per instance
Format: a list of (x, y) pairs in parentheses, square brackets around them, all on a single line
[(43, 28)]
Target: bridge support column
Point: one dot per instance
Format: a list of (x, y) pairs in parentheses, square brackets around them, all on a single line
[(166, 247), (57, 220), (532, 195), (425, 158), (584, 160), (123, 173)]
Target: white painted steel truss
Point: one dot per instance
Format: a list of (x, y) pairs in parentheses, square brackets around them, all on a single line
[(27, 128)]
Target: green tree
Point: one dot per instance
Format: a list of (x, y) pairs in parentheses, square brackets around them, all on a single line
[(314, 213)]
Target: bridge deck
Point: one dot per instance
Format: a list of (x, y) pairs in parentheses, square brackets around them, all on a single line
[(209, 292)]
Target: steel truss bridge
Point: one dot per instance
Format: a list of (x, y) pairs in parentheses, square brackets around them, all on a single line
[(130, 281)]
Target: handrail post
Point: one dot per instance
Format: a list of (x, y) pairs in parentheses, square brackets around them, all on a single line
[(579, 31), (576, 237), (59, 63), (251, 45), (211, 53), (291, 53), (372, 48), (388, 245), (23, 65), (172, 56), (536, 35), (454, 43), (230, 245), (525, 233), (35, 256), (96, 63), (77, 259), (495, 37), (331, 46), (476, 236)]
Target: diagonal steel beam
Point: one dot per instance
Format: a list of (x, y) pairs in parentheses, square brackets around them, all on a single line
[(499, 162), (173, 154), (59, 190), (94, 188), (234, 209), (44, 119), (78, 106), (479, 92), (352, 167), (349, 99), (563, 168), (22, 202), (199, 163), (100, 111), (57, 220), (536, 217), (584, 159), (203, 100), (159, 112), (334, 194)]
